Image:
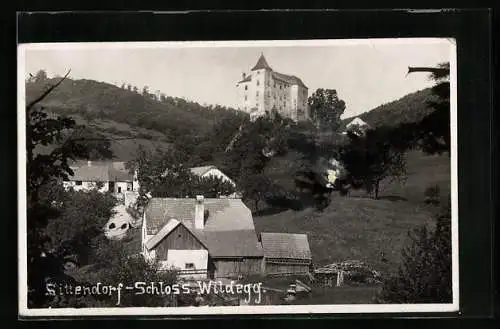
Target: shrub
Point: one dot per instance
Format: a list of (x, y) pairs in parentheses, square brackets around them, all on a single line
[(425, 274)]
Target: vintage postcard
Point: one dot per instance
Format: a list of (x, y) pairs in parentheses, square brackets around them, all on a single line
[(248, 177)]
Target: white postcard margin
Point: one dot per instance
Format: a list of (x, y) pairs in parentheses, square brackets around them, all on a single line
[(24, 311)]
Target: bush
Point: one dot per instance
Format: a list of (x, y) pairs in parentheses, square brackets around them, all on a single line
[(425, 275)]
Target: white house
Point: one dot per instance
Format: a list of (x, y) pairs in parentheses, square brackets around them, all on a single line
[(208, 171), (105, 176), (212, 171), (356, 124)]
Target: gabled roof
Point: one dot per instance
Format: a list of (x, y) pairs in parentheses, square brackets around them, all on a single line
[(291, 79), (261, 64), (200, 171), (357, 121), (229, 229), (100, 172), (171, 225), (286, 246)]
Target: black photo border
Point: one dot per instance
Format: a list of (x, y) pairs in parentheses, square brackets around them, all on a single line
[(470, 27)]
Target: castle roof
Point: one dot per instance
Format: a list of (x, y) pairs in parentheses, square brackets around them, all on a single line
[(261, 64), (291, 79)]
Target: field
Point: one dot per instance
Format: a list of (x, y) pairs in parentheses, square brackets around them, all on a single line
[(357, 227)]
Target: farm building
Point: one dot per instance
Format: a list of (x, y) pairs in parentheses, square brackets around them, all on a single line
[(286, 254), (207, 171), (202, 238), (105, 176), (357, 126), (213, 171)]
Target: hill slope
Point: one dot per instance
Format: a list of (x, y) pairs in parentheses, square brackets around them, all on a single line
[(410, 108), (98, 100), (373, 231), (127, 118)]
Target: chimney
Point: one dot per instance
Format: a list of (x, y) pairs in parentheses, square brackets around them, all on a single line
[(199, 213)]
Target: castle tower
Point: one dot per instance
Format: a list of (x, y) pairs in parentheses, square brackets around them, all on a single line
[(264, 90)]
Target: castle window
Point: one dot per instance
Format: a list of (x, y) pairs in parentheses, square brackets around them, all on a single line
[(257, 94), (258, 83), (246, 97), (275, 85), (246, 87)]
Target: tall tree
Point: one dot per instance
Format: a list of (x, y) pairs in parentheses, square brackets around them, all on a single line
[(371, 158), (433, 132), (41, 76), (58, 133), (325, 108), (164, 174)]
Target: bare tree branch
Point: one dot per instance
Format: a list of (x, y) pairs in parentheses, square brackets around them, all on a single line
[(434, 70)]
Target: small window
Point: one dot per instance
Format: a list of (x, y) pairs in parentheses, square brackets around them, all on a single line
[(246, 97), (257, 94), (258, 83), (78, 182), (189, 266), (246, 87), (119, 189)]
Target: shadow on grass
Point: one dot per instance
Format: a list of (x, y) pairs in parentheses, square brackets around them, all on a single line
[(381, 197), (269, 211), (392, 198)]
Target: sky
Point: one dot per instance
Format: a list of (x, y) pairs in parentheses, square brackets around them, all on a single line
[(365, 73)]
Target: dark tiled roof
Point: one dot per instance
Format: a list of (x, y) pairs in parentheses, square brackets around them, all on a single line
[(230, 243), (291, 79), (285, 245), (261, 64), (223, 214), (100, 172), (229, 229)]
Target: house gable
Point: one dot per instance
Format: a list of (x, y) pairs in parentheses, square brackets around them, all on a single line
[(180, 238)]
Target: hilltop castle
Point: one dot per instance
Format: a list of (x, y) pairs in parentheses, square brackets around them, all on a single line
[(264, 90)]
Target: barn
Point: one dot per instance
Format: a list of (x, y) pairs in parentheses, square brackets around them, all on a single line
[(202, 238), (286, 254)]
